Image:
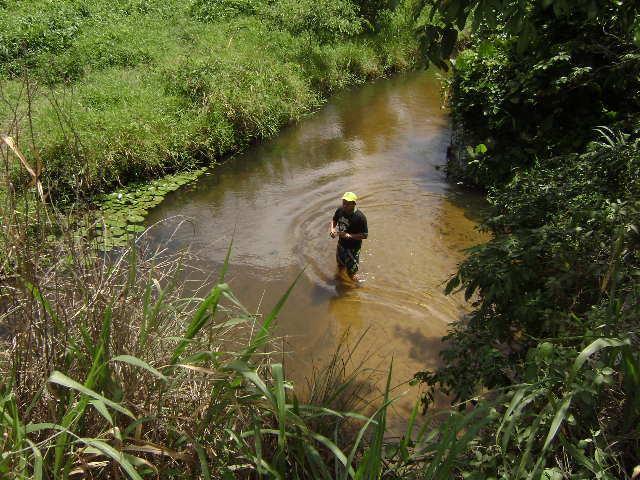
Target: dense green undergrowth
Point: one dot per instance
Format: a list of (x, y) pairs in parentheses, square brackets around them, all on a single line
[(114, 367), (99, 94), (546, 97), (546, 369)]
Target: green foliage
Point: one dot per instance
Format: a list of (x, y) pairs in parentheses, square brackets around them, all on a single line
[(332, 68), (569, 403), (327, 20), (560, 272), (255, 93), (373, 10), (542, 99), (113, 93), (33, 28), (524, 21), (544, 122), (217, 10), (557, 230)]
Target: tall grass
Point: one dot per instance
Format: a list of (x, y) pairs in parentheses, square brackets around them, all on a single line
[(125, 91), (111, 369)]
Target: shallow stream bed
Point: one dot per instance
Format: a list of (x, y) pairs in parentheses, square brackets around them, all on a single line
[(386, 142)]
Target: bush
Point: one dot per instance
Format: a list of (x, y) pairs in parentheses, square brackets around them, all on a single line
[(328, 20), (543, 102), (35, 28)]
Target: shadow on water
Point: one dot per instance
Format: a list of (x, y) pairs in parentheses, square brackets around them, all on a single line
[(421, 347), (385, 141), (473, 204)]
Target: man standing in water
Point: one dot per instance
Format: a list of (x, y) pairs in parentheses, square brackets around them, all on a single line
[(350, 226)]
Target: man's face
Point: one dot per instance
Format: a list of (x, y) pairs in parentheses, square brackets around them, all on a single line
[(348, 207)]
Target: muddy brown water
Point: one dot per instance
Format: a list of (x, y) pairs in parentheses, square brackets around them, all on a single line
[(385, 141)]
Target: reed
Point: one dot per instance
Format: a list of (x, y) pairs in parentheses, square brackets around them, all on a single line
[(111, 368)]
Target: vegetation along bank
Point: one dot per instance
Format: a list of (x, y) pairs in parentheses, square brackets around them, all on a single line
[(545, 96), (100, 94)]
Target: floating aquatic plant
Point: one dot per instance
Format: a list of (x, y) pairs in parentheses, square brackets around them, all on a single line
[(121, 213)]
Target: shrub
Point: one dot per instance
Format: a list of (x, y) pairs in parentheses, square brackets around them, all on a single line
[(328, 20)]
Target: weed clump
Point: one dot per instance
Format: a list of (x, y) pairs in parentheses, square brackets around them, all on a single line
[(110, 367), (539, 95)]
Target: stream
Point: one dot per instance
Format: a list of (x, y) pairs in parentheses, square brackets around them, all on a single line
[(385, 141)]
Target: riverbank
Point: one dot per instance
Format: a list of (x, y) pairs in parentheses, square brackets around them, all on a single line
[(550, 131), (100, 95)]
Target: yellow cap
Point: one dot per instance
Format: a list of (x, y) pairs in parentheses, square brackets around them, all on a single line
[(350, 197)]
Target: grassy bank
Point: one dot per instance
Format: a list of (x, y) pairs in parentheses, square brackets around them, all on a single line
[(100, 94)]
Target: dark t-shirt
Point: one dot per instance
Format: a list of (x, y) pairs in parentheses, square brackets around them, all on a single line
[(354, 223)]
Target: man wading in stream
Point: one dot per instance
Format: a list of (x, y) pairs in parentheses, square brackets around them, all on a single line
[(350, 226)]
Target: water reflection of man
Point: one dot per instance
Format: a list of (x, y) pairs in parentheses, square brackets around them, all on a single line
[(350, 226)]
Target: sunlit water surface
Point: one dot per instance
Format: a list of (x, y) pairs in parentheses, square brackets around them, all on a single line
[(387, 143)]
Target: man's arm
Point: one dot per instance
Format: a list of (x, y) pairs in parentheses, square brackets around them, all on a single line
[(332, 229), (353, 236), (332, 226)]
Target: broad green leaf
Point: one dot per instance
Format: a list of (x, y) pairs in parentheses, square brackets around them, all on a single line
[(62, 379), (559, 417), (131, 360), (278, 376), (102, 409), (595, 347)]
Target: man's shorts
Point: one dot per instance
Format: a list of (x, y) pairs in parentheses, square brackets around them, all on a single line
[(348, 258)]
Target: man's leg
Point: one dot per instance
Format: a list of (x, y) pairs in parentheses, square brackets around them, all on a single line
[(352, 263), (341, 259)]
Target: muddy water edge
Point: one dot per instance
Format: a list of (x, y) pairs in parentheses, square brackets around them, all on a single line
[(385, 141)]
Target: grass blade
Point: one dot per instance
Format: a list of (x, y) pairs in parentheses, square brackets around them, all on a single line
[(136, 362), (199, 319), (263, 334), (102, 410), (114, 454), (61, 379), (37, 461), (278, 376), (371, 466)]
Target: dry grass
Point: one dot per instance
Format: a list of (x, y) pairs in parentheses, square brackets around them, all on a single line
[(111, 367)]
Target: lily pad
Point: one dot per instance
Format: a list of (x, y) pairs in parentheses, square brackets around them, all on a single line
[(135, 228), (116, 222), (120, 241)]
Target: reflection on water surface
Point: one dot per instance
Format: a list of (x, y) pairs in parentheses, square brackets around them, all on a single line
[(386, 142)]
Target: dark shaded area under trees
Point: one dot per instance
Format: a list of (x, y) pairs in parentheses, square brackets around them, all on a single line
[(546, 96)]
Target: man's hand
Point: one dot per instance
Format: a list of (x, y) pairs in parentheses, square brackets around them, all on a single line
[(332, 233)]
